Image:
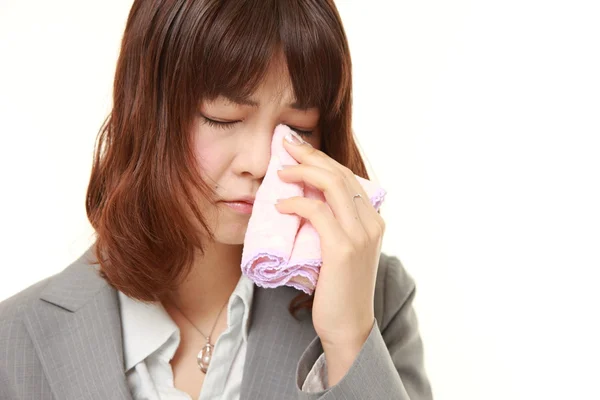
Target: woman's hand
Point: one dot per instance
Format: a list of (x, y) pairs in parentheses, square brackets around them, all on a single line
[(350, 232)]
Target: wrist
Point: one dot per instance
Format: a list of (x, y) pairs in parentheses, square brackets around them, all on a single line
[(348, 340)]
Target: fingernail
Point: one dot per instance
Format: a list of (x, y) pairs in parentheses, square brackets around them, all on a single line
[(293, 138)]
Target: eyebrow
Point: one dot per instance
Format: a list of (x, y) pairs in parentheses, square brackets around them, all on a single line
[(247, 101)]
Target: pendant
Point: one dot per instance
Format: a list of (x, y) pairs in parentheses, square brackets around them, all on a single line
[(204, 357)]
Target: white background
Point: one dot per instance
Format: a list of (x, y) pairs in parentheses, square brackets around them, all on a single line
[(480, 118)]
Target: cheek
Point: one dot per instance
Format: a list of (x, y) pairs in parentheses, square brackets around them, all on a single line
[(211, 156)]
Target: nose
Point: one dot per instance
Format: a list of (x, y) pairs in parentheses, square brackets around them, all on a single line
[(255, 153)]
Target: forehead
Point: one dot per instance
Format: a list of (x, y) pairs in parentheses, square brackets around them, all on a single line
[(276, 87)]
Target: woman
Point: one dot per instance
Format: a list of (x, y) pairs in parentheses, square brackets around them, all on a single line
[(199, 88)]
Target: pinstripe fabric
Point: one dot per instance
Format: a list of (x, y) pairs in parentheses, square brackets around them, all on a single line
[(151, 339), (61, 339)]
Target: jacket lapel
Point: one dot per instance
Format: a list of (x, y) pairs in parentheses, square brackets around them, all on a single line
[(76, 330), (275, 343)]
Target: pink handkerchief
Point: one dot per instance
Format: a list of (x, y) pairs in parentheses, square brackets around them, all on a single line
[(284, 249)]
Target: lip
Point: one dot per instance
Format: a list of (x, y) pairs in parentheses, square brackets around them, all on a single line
[(244, 199), (241, 207)]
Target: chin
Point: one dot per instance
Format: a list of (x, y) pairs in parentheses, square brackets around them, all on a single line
[(231, 241), (232, 235)]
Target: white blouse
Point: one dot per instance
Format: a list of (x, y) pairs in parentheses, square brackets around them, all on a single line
[(151, 338)]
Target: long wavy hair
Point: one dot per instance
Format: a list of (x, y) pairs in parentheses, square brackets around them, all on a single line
[(142, 194)]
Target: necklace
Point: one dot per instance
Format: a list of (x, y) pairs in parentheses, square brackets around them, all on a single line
[(205, 355)]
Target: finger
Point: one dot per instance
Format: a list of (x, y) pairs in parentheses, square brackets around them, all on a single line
[(336, 192), (306, 154), (371, 221), (318, 213)]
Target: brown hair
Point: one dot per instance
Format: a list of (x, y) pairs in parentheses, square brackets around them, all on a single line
[(174, 54)]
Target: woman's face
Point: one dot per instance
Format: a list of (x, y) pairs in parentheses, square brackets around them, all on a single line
[(233, 152)]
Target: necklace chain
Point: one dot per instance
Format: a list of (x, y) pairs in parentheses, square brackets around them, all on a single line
[(191, 323), (205, 355)]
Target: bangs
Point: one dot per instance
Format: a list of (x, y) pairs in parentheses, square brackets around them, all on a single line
[(244, 37)]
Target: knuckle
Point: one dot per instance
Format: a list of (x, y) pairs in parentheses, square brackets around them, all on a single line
[(319, 206), (339, 180), (347, 171), (313, 151), (375, 232), (322, 207)]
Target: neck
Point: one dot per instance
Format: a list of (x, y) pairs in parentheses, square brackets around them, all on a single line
[(209, 285)]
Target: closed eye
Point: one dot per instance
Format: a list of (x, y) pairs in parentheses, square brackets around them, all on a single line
[(230, 124), (219, 124)]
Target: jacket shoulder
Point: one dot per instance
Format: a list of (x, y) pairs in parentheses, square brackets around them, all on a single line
[(20, 367), (12, 312), (394, 286), (12, 308)]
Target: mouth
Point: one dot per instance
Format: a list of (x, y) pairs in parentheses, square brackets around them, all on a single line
[(243, 207), (244, 199)]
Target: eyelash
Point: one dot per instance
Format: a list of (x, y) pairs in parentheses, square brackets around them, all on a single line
[(226, 125)]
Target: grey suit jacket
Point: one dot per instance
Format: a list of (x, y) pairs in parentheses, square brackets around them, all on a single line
[(61, 339)]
